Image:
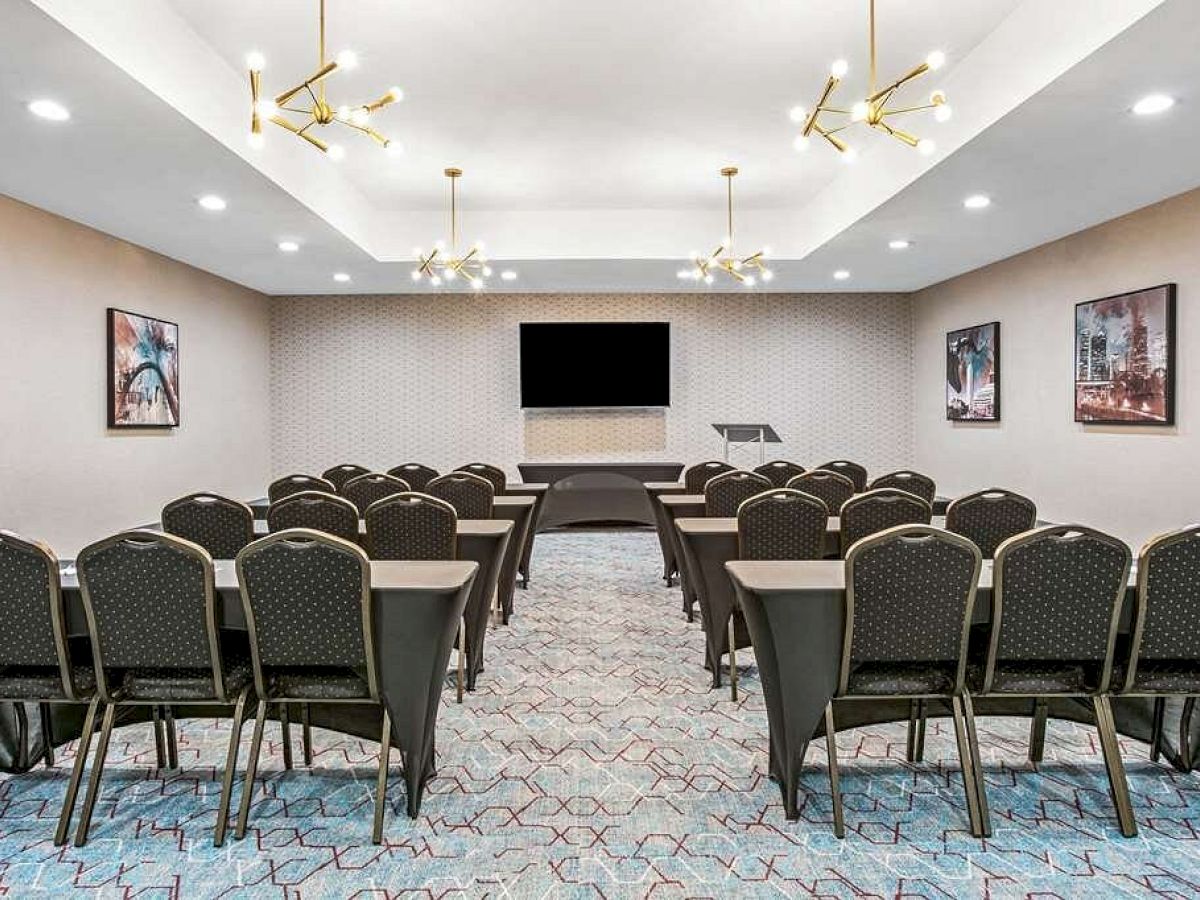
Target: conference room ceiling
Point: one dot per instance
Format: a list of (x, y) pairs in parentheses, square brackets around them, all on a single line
[(591, 134)]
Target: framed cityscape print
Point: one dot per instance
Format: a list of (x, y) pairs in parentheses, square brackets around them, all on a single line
[(973, 374), (143, 371), (1125, 358)]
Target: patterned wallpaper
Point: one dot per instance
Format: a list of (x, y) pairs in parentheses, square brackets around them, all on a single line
[(381, 380)]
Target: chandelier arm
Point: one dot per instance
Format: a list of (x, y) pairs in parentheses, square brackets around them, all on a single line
[(365, 129), (836, 110), (911, 109), (904, 136), (322, 73), (826, 132), (469, 256), (300, 132), (838, 143), (830, 85), (900, 82), (380, 103)]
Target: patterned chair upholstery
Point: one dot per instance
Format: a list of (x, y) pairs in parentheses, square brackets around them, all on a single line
[(829, 487), (782, 524), (879, 510), (307, 600), (492, 473), (294, 484), (471, 496), (339, 475), (412, 526), (1056, 602), (152, 620), (991, 517), (321, 512), (698, 475), (852, 470), (724, 493), (905, 480), (219, 525), (779, 472), (417, 476), (366, 489)]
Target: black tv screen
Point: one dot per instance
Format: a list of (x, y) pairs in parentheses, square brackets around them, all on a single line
[(595, 364)]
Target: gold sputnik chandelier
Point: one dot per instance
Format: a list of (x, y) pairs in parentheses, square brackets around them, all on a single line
[(744, 270), (874, 110), (307, 99), (443, 263)]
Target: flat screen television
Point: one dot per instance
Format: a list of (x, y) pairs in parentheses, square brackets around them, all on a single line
[(595, 364)]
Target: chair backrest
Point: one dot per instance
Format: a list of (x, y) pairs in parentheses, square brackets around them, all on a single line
[(724, 493), (991, 517), (33, 629), (150, 603), (1166, 623), (782, 524), (294, 484), (866, 514), (1056, 596), (318, 511), (852, 470), (471, 496), (830, 487), (910, 592), (698, 475), (415, 474), (779, 471), (906, 480), (339, 475), (219, 525), (307, 599), (364, 490), (494, 474), (411, 526)]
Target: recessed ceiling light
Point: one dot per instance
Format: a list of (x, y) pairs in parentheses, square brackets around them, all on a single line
[(289, 246), (212, 202), (978, 201), (841, 274), (340, 276), (899, 244), (508, 275), (49, 109), (1153, 104)]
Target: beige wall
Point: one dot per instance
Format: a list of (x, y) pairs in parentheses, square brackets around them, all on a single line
[(1132, 481), (64, 476)]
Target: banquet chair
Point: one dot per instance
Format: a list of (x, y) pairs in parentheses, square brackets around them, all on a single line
[(852, 470), (724, 493), (471, 496), (320, 511), (294, 484), (36, 662), (152, 618), (991, 517), (698, 475), (910, 592), (779, 471), (364, 490), (829, 487), (494, 474), (1057, 594), (219, 525), (878, 510), (307, 601), (415, 475), (339, 475), (906, 480)]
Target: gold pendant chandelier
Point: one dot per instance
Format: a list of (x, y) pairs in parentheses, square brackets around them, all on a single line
[(746, 271), (315, 109), (443, 263), (874, 110)]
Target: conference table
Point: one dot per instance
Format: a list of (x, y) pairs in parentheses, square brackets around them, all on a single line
[(658, 489), (537, 490), (416, 607)]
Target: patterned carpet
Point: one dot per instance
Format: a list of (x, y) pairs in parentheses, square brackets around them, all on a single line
[(595, 762)]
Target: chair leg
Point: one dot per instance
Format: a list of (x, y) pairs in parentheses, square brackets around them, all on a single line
[(93, 788), (47, 735), (835, 791), (22, 736), (285, 731), (260, 718), (1185, 734), (231, 756), (385, 746), (733, 673), (172, 739), (1037, 730), (985, 814), (966, 766), (1156, 728), (1117, 785), (160, 744), (916, 731), (306, 735), (462, 654), (81, 752)]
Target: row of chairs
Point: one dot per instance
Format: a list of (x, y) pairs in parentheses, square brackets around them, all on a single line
[(417, 476), (779, 472), (154, 641)]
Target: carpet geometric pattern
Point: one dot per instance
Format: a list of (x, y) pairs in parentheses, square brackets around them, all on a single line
[(594, 761)]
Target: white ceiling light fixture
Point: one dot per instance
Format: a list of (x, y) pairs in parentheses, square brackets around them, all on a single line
[(341, 276), (50, 110), (841, 274), (289, 246), (212, 203), (1153, 104), (978, 201), (899, 244)]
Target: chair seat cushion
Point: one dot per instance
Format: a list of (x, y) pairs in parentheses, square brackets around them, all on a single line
[(1038, 677), (901, 679), (178, 685), (318, 684), (1165, 676), (44, 682)]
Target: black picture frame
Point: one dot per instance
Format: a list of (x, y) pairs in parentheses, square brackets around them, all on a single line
[(953, 337), (1167, 294), (111, 361)]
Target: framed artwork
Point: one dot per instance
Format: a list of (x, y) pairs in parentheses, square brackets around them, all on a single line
[(1125, 358), (143, 371), (973, 374)]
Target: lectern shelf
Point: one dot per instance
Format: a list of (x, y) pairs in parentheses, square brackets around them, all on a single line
[(740, 435)]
